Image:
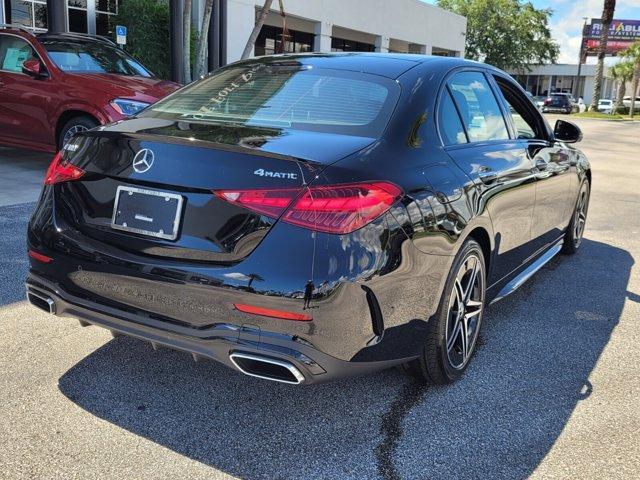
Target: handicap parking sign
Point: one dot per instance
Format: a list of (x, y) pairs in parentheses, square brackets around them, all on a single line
[(121, 35)]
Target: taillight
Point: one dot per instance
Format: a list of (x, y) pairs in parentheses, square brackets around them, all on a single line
[(61, 171), (267, 202), (337, 209), (40, 257)]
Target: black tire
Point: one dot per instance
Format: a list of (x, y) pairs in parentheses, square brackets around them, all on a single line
[(79, 123), (437, 364), (575, 230)]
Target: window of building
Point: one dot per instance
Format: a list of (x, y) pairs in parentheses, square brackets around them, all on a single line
[(32, 14), (269, 41), (105, 10), (342, 45), (80, 22), (478, 107), (28, 13), (443, 52), (78, 16)]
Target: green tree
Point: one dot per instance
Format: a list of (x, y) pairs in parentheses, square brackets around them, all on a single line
[(148, 35), (622, 72), (508, 34), (607, 17), (632, 54)]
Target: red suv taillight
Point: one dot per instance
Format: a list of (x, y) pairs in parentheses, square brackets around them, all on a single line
[(337, 209), (61, 171)]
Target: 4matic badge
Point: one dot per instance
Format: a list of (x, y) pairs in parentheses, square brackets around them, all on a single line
[(266, 173)]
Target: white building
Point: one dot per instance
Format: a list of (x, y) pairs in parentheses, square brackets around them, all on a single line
[(544, 79), (410, 26), (347, 25)]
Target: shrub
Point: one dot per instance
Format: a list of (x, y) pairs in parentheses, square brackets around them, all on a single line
[(148, 34)]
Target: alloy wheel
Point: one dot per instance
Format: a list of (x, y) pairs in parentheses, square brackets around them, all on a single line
[(465, 312), (71, 132)]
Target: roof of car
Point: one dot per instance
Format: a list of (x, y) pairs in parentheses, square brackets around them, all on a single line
[(390, 65), (69, 36), (74, 37)]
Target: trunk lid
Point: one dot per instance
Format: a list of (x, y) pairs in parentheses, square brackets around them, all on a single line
[(148, 184)]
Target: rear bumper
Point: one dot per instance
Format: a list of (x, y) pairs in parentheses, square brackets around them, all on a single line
[(227, 343)]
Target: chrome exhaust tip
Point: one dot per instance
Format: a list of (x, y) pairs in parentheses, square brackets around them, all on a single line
[(267, 368), (41, 301)]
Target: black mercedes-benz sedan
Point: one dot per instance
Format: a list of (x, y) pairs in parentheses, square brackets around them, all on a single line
[(302, 218)]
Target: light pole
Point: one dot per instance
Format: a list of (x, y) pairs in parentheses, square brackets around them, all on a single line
[(584, 26)]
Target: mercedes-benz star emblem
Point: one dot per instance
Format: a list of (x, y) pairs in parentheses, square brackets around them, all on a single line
[(143, 160)]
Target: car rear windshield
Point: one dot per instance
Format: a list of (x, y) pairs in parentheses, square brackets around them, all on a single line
[(92, 57), (287, 96), (558, 100)]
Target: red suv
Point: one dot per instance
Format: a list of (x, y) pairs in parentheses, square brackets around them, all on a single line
[(53, 85)]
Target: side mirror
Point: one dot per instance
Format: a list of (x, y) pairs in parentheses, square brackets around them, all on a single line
[(32, 67), (567, 132)]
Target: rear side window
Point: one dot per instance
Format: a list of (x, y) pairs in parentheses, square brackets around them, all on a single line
[(13, 52), (288, 97), (451, 128), (478, 107)]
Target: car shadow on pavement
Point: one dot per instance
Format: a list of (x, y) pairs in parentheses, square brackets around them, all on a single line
[(537, 350)]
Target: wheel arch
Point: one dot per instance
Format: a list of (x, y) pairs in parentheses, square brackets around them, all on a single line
[(481, 235), (67, 115)]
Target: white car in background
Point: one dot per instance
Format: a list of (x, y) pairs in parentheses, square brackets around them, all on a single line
[(605, 105), (626, 101), (539, 101)]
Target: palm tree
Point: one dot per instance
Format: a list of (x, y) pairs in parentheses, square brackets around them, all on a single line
[(254, 277), (607, 17), (203, 40), (622, 72), (256, 29), (633, 55), (186, 41)]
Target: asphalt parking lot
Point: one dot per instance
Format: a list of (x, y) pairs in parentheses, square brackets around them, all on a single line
[(553, 392)]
